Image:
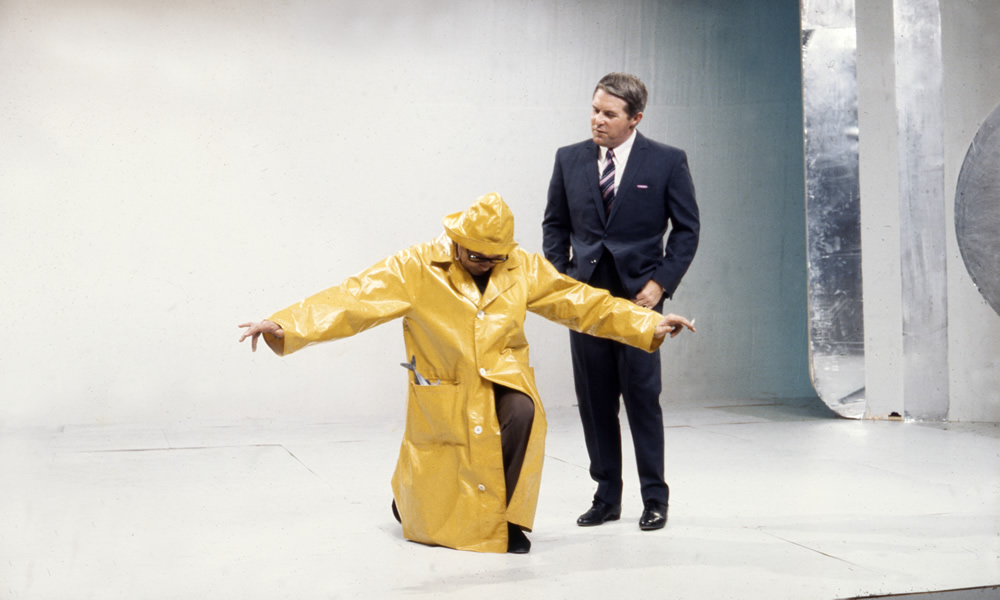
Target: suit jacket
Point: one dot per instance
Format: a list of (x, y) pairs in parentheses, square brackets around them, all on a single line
[(655, 191)]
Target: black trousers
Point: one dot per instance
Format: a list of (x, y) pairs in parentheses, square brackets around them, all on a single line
[(515, 411), (606, 371)]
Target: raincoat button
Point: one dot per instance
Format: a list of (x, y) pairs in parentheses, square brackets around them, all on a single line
[(482, 372), (482, 488), (478, 429), (480, 315)]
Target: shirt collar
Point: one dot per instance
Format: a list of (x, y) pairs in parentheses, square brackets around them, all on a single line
[(622, 151)]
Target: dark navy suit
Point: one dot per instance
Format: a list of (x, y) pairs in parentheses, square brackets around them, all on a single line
[(621, 252)]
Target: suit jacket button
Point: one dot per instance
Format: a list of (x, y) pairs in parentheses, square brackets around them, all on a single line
[(593, 261)]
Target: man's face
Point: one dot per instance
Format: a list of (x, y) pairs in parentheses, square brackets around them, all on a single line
[(478, 264), (609, 121)]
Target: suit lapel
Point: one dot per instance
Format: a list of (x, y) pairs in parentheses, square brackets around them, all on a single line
[(587, 161)]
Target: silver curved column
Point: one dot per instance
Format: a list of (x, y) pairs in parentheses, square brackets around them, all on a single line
[(833, 213)]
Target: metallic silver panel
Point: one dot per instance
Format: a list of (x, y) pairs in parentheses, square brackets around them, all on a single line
[(977, 210), (920, 113), (833, 213)]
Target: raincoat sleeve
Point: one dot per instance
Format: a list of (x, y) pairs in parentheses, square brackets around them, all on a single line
[(381, 293), (564, 300)]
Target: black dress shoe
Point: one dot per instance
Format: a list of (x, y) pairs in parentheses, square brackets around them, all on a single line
[(517, 542), (654, 516), (395, 512), (599, 513)]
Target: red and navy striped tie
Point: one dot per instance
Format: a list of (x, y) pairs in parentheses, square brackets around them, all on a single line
[(608, 181)]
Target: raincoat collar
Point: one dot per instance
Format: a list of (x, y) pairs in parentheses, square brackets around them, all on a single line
[(502, 278)]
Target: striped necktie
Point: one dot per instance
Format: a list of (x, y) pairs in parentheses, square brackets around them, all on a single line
[(608, 181)]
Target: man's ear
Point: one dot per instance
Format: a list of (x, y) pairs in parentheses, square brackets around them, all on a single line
[(635, 120)]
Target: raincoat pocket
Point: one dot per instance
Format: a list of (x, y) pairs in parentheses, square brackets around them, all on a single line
[(436, 415)]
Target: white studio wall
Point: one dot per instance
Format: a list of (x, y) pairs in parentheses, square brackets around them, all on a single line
[(168, 171)]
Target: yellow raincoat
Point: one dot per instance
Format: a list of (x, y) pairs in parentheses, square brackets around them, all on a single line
[(449, 479)]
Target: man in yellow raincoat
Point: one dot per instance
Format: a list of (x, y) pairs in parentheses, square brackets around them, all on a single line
[(463, 299)]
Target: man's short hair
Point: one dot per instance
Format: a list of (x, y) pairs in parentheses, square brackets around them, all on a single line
[(627, 87)]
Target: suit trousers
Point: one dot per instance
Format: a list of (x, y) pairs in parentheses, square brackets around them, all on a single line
[(604, 372)]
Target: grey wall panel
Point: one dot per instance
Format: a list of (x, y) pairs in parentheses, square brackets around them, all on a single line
[(919, 73), (734, 102), (879, 153)]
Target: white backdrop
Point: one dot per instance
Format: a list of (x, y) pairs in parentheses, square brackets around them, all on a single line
[(171, 169)]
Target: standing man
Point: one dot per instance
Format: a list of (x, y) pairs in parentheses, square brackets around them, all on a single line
[(611, 201)]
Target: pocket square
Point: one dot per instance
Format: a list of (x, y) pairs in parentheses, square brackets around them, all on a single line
[(642, 187)]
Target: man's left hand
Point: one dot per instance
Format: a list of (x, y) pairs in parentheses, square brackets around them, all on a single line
[(650, 295)]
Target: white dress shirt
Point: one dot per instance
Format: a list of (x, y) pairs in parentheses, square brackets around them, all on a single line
[(621, 157)]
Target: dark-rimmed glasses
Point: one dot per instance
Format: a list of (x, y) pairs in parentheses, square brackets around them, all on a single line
[(477, 258)]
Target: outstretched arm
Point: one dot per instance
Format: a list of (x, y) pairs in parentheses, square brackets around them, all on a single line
[(273, 335), (378, 294), (593, 311)]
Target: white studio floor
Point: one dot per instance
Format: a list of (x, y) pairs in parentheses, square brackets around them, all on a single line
[(769, 500)]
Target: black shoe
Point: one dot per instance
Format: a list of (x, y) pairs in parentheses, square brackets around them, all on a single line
[(599, 513), (395, 512), (517, 542), (654, 516)]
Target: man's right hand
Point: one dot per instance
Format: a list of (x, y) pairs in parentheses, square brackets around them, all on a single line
[(264, 327)]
